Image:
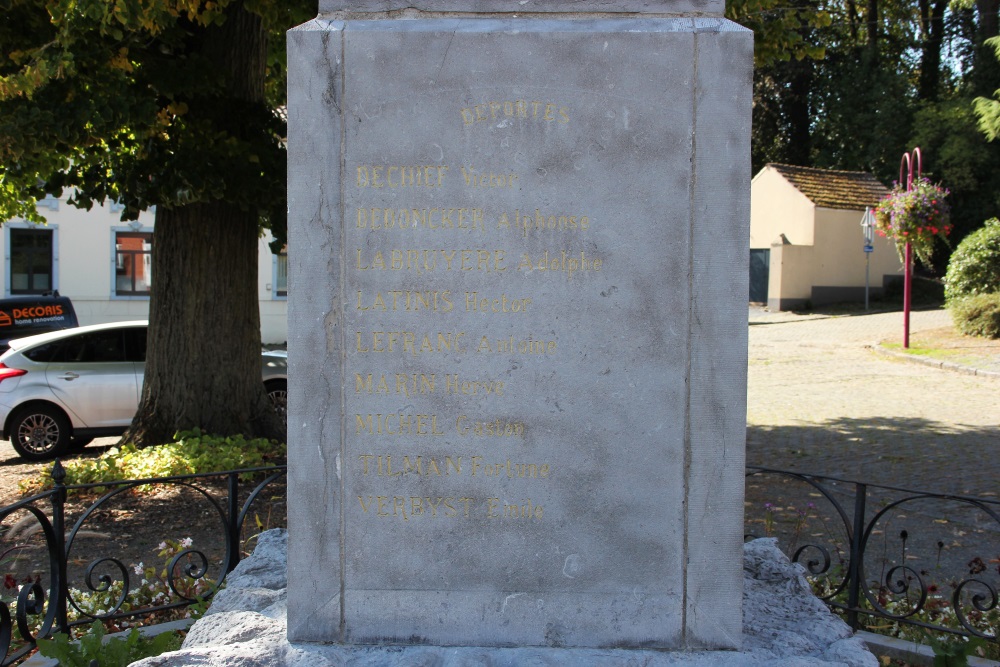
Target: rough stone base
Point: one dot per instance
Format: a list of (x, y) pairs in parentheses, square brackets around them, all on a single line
[(784, 625)]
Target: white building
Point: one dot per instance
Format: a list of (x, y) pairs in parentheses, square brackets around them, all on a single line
[(806, 242), (103, 265)]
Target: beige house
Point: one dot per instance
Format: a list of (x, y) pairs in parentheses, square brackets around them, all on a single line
[(103, 265), (806, 240)]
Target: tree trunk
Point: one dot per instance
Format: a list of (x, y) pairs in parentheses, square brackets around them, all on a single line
[(989, 18), (932, 39), (796, 105), (852, 21), (873, 28), (203, 365)]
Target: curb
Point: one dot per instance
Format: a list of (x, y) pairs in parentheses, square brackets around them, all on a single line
[(910, 651), (934, 363)]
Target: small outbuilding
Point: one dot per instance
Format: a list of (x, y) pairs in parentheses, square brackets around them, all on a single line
[(806, 241)]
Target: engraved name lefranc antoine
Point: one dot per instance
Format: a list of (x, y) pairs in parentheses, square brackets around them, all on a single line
[(394, 469)]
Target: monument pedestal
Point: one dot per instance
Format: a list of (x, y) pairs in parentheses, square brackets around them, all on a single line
[(518, 249), (786, 626)]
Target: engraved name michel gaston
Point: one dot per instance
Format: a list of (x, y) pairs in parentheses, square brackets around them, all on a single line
[(388, 445)]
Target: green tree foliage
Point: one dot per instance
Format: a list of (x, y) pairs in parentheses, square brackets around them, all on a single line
[(785, 47), (959, 157), (165, 103), (781, 29), (121, 100), (861, 127), (988, 109)]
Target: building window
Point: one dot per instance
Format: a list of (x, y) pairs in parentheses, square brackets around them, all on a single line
[(281, 274), (31, 266), (133, 263)]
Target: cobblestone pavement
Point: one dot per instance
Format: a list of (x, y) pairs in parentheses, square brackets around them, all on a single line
[(821, 401)]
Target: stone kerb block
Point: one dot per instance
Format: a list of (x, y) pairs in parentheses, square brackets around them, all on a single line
[(517, 333)]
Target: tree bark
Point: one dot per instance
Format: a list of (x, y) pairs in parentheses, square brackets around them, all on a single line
[(932, 40), (989, 18), (797, 105), (852, 20), (203, 365), (873, 28)]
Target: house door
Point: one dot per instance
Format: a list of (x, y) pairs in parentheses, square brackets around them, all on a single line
[(760, 262)]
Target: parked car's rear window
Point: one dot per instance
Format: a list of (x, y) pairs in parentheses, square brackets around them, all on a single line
[(43, 353), (135, 344), (93, 347)]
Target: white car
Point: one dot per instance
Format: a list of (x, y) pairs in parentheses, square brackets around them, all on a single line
[(60, 390)]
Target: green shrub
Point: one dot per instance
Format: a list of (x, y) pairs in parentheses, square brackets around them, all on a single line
[(977, 315), (192, 453), (110, 652), (974, 267)]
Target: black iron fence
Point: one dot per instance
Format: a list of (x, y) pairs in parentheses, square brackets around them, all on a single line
[(891, 560), (57, 576), (881, 556)]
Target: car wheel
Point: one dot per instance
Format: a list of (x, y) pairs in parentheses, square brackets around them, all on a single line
[(277, 391), (40, 432)]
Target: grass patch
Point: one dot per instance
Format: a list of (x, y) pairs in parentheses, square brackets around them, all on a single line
[(919, 351), (949, 346)]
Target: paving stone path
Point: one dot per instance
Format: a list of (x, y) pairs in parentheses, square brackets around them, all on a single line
[(820, 400)]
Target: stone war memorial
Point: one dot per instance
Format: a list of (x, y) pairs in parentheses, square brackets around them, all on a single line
[(517, 327)]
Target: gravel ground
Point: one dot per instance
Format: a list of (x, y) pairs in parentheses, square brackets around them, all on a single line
[(820, 400)]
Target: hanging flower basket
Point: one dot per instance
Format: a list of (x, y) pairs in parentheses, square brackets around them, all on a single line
[(916, 216)]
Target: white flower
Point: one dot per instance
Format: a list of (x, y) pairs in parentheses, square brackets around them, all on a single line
[(163, 545), (186, 542), (138, 569)]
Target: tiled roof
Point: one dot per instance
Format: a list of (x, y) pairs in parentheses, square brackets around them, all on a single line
[(850, 190)]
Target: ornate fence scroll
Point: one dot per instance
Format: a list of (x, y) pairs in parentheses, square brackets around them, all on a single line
[(48, 586), (885, 555)]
